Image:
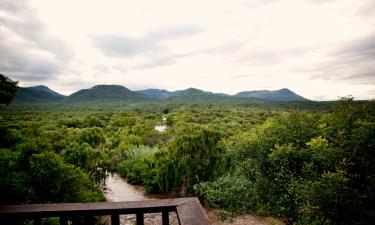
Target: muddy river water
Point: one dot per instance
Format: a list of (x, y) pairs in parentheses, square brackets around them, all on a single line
[(118, 190)]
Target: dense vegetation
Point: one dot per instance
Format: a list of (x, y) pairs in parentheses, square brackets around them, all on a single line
[(306, 167), (8, 89)]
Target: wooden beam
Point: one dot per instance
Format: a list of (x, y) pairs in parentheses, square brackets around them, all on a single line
[(189, 211), (192, 213), (115, 219), (63, 220), (98, 208), (140, 220), (165, 217)]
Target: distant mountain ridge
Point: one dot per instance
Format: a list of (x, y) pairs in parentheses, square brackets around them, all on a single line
[(190, 94), (45, 88), (118, 93), (37, 95), (283, 94), (193, 94), (106, 93), (158, 93)]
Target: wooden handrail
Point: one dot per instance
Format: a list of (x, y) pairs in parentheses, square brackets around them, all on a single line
[(189, 211)]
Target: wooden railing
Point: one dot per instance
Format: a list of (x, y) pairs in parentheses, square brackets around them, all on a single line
[(189, 211)]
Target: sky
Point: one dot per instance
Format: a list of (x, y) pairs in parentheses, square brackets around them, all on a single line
[(320, 49)]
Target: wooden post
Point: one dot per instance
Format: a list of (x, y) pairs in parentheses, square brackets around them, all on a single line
[(63, 220), (140, 218), (37, 221), (115, 219), (165, 216), (89, 220), (75, 220)]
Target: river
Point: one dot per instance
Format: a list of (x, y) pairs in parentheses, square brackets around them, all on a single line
[(118, 190)]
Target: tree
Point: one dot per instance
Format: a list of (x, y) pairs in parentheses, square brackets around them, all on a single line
[(8, 89)]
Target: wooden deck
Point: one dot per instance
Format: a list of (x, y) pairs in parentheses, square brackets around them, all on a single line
[(189, 211)]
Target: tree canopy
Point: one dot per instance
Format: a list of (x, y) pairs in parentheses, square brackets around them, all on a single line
[(8, 89)]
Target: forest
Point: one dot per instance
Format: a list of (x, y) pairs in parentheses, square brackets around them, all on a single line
[(301, 166)]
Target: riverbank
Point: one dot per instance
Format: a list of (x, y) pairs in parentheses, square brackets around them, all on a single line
[(247, 219), (118, 190)]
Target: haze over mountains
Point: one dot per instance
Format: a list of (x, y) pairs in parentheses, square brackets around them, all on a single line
[(118, 93)]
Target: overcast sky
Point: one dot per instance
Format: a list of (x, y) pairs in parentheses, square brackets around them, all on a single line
[(320, 49)]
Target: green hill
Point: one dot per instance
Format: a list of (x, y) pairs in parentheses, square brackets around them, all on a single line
[(277, 95), (196, 95), (157, 93), (45, 88), (105, 94), (32, 95)]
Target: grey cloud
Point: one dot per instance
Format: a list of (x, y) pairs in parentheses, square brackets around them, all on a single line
[(240, 76), (363, 49), (34, 32), (25, 65), (226, 48), (367, 9), (260, 57), (152, 46), (169, 59), (353, 62), (122, 46), (40, 57), (14, 6), (174, 32), (157, 63), (149, 44)]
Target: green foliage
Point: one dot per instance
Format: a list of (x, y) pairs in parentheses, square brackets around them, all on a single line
[(8, 89), (138, 166), (306, 167), (232, 193), (51, 178), (43, 177), (93, 161), (199, 158)]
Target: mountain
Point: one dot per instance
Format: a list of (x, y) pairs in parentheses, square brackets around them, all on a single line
[(277, 95), (36, 95), (157, 93), (118, 93), (196, 95), (45, 88), (106, 93)]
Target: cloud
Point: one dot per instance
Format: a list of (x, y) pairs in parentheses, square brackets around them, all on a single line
[(352, 62), (359, 50), (271, 56), (367, 9), (28, 52), (240, 44), (124, 46), (171, 58), (28, 66)]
